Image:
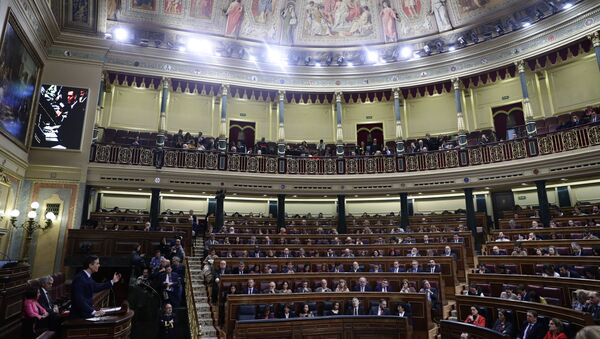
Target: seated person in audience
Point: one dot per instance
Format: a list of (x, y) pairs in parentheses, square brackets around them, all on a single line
[(502, 324), (33, 313), (287, 312), (548, 271), (45, 300), (496, 251), (306, 312), (567, 272), (384, 287), (355, 268), (406, 288), (414, 252), (376, 268), (144, 279), (512, 224), (508, 294), (250, 288), (285, 288), (535, 225), (304, 288), (323, 288), (241, 269), (457, 239), (330, 253), (502, 237), (271, 254), (347, 253), (474, 290), (270, 289), (590, 236), (551, 252), (267, 313), (432, 293), (382, 309), (362, 285), (402, 310), (475, 318), (576, 249), (335, 310), (355, 308), (168, 323), (337, 268), (396, 268), (518, 251), (448, 252), (536, 298), (532, 237), (433, 267), (555, 330), (593, 307), (414, 267), (342, 286), (289, 268), (532, 328), (580, 299)]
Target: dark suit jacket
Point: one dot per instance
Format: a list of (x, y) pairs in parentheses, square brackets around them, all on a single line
[(537, 332), (350, 310), (254, 290), (237, 271), (47, 304), (380, 289), (292, 315), (82, 293), (573, 274), (374, 311), (357, 288), (400, 269)]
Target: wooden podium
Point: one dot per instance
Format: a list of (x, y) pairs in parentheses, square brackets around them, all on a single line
[(117, 326), (13, 283)]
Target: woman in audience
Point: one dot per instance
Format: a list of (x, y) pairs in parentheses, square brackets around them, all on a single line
[(232, 290), (285, 288), (306, 312), (503, 325), (335, 309), (342, 286), (555, 330), (406, 288), (267, 313), (552, 251), (475, 318), (33, 313), (580, 299), (550, 272)]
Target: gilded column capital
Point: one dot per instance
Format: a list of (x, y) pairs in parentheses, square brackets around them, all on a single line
[(338, 96), (396, 92), (281, 95), (595, 37), (456, 83), (224, 89), (520, 66)]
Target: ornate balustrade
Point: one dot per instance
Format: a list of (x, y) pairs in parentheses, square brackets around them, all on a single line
[(557, 142)]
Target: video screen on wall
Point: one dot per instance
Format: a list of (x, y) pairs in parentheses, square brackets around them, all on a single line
[(60, 118)]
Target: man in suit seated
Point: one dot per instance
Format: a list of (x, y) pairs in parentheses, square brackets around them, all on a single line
[(250, 289), (403, 310), (381, 309), (323, 287), (532, 328), (362, 286), (271, 289), (396, 268), (304, 288), (384, 287), (566, 272), (83, 288), (355, 267), (46, 302), (337, 268), (287, 312), (448, 252), (433, 267), (241, 269), (414, 267), (355, 308)]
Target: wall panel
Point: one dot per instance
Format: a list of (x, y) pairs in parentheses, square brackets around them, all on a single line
[(233, 205), (328, 208), (431, 114), (381, 207), (199, 205), (310, 122), (369, 113), (190, 112), (123, 201), (575, 85), (134, 109)]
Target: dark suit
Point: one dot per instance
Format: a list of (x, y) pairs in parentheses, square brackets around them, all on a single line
[(571, 274), (413, 270), (536, 331), (380, 289), (46, 301), (350, 310), (357, 288), (292, 314), (375, 310), (436, 269), (83, 288), (246, 290), (400, 269), (237, 271)]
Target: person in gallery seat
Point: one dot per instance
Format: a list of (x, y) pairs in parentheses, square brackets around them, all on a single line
[(502, 324), (532, 328), (475, 318), (362, 286), (83, 288), (382, 309), (355, 308)]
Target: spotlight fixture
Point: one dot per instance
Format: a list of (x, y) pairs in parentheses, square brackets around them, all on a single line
[(567, 5), (340, 60), (307, 60), (475, 37), (539, 14), (274, 56), (144, 42), (461, 41), (427, 49), (329, 60), (451, 48), (526, 24), (499, 29), (121, 34), (350, 64), (108, 36), (406, 52), (372, 56), (317, 64)]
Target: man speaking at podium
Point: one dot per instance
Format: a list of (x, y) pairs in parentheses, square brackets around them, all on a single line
[(84, 287)]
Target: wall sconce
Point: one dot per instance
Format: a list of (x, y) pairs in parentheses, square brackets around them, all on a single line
[(30, 225)]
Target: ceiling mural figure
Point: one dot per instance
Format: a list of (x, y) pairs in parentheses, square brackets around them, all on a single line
[(144, 5), (289, 22), (263, 20), (112, 8), (388, 19), (440, 12), (412, 8), (201, 9), (235, 15), (173, 7)]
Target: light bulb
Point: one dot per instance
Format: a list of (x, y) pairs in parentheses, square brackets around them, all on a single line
[(35, 205), (32, 214), (50, 216), (14, 213), (1, 213)]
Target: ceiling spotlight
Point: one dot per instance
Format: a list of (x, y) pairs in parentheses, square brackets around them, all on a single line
[(329, 60), (182, 49), (350, 64), (406, 52), (144, 42), (121, 34), (526, 24), (568, 5), (340, 60), (474, 37), (372, 56), (499, 30), (539, 14), (427, 49), (307, 60), (451, 48), (274, 56), (251, 58), (317, 64), (108, 36), (461, 41)]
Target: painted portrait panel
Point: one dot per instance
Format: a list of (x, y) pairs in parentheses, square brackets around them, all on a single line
[(80, 11), (201, 9), (144, 5), (465, 11), (60, 117), (20, 68), (262, 21), (173, 7), (80, 15)]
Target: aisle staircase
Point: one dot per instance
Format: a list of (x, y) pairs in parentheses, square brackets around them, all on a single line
[(199, 291)]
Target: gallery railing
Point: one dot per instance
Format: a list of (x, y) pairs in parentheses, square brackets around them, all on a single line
[(551, 143)]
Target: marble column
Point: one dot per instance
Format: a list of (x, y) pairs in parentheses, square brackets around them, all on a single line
[(162, 122), (339, 144), (398, 115), (155, 209), (404, 220), (462, 129), (544, 205), (222, 141), (281, 130), (471, 218), (529, 122), (280, 210), (595, 37), (341, 211)]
